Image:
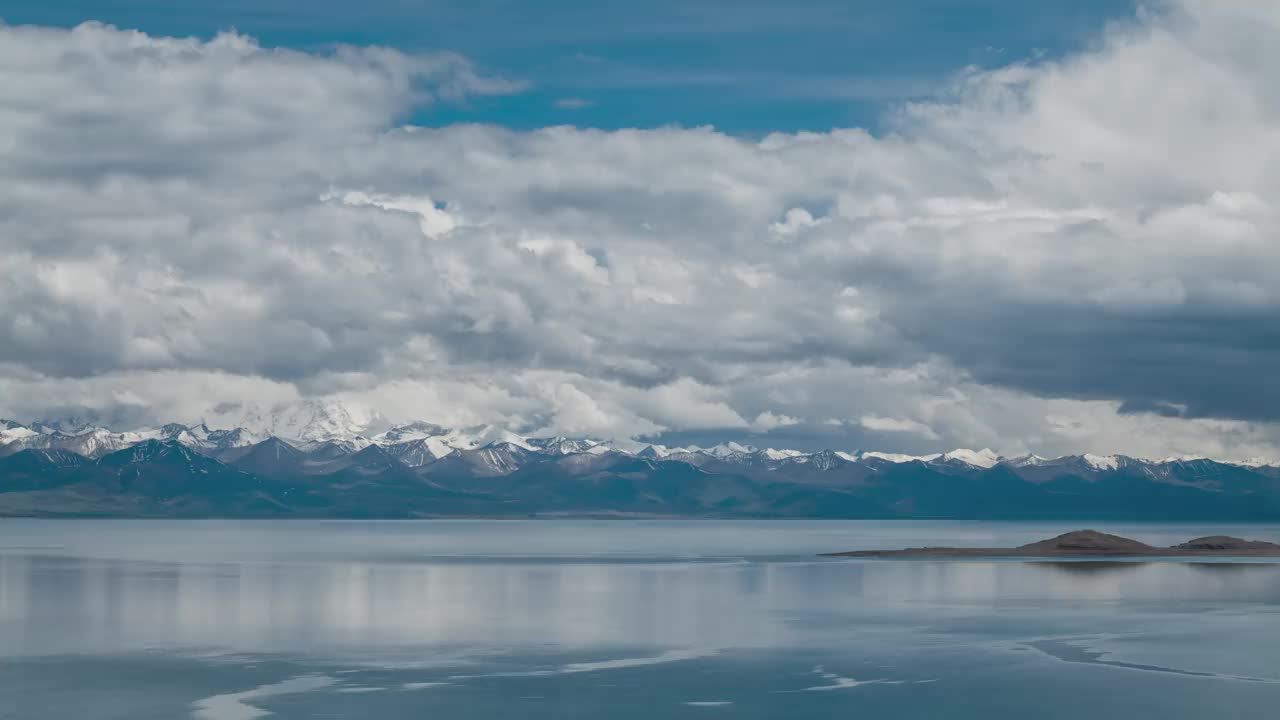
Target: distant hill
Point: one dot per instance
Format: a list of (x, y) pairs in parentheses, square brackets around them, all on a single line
[(1091, 544)]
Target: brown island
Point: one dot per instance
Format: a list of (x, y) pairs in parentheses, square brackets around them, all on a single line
[(1090, 544)]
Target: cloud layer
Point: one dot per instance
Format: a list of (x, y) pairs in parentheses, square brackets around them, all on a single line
[(1061, 256)]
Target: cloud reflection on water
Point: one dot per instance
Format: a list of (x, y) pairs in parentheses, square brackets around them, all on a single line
[(61, 604)]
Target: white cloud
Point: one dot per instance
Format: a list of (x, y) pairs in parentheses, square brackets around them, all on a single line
[(1052, 240), (767, 421), (432, 220), (796, 220)]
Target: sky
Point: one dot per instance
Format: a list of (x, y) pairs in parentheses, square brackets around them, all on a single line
[(911, 226), (744, 66)]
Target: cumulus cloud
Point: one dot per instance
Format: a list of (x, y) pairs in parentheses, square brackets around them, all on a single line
[(1049, 257), (767, 421)]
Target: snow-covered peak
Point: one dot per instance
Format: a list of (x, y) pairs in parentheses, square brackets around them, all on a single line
[(898, 457), (438, 448), (233, 438), (500, 457), (419, 452), (409, 431), (1030, 460), (15, 437), (1181, 458), (661, 451), (772, 454), (1101, 462), (984, 458), (318, 421), (337, 446), (823, 460), (90, 442), (727, 449), (97, 442), (440, 441), (15, 431), (561, 445), (482, 435), (307, 421), (654, 451)]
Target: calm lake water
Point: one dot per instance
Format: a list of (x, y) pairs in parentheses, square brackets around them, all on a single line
[(619, 619)]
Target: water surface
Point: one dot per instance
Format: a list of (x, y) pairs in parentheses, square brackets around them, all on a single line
[(479, 619)]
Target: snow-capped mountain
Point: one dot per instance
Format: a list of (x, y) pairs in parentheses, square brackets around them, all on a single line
[(1029, 460), (896, 458), (16, 433), (409, 431), (431, 441), (94, 442), (772, 454), (320, 421), (824, 460), (416, 453), (100, 441), (976, 458), (501, 458), (477, 436), (333, 429), (728, 449), (1101, 462), (343, 467), (564, 446), (985, 458), (233, 438), (88, 442), (662, 451), (307, 421)]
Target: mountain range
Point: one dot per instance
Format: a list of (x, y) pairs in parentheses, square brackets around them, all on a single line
[(334, 465)]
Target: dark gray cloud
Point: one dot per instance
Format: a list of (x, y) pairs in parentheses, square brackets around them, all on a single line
[(1189, 361)]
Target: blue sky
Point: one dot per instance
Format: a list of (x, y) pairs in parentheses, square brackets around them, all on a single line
[(744, 66)]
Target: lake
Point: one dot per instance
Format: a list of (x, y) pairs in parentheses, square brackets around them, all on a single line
[(230, 620)]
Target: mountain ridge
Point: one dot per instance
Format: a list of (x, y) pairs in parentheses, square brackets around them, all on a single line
[(437, 441), (427, 470)]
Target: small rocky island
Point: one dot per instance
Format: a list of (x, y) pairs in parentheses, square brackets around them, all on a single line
[(1090, 544)]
